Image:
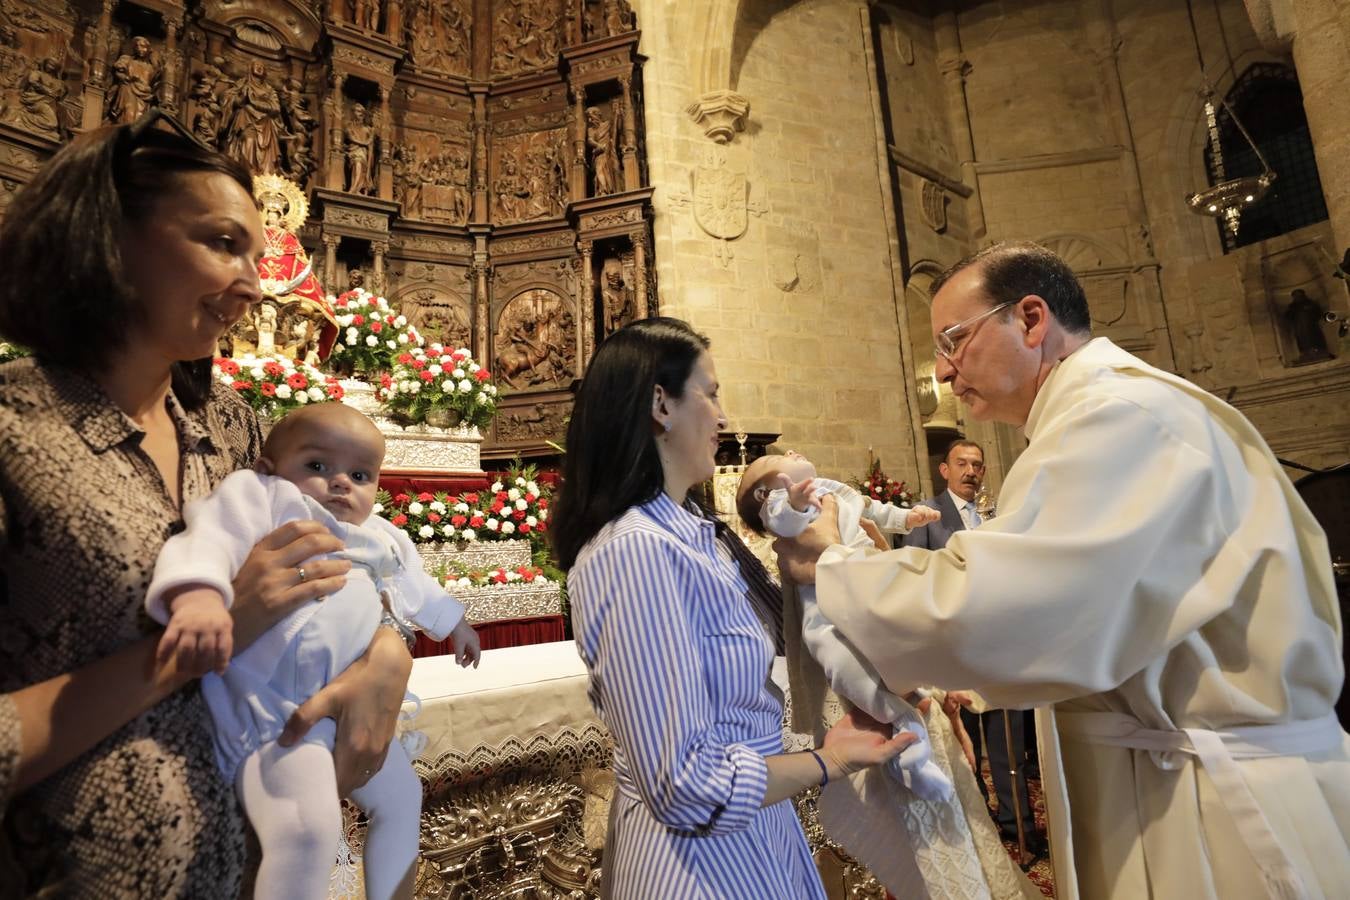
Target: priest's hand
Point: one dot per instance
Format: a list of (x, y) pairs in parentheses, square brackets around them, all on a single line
[(797, 557)]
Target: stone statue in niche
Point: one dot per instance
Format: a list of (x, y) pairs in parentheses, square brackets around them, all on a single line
[(135, 77), (536, 341), (265, 322), (253, 118), (43, 91), (604, 161), (617, 298), (359, 138), (1304, 316), (617, 16), (356, 278)]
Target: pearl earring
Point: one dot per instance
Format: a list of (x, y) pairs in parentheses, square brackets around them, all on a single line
[(666, 426)]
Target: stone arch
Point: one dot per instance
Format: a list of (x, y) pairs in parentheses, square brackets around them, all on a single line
[(293, 24)]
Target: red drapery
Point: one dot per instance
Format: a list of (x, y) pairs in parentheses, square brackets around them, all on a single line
[(501, 633)]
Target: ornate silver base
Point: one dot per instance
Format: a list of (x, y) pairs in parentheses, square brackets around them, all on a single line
[(476, 555), (436, 451), (516, 600)]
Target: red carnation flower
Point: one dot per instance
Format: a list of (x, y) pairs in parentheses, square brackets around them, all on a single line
[(405, 358), (498, 506), (543, 504), (524, 528), (376, 327), (499, 576), (401, 498), (399, 520), (471, 499), (530, 498), (358, 319), (418, 364), (476, 521), (425, 376), (433, 518), (458, 521), (518, 515), (425, 497), (482, 374)]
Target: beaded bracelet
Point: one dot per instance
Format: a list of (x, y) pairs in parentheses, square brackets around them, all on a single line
[(824, 772)]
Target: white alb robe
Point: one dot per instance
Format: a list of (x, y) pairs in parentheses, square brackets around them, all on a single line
[(1151, 562)]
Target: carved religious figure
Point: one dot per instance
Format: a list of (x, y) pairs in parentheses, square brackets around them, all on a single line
[(253, 113), (206, 93), (511, 189), (366, 14), (265, 322), (617, 297), (301, 125), (135, 76), (439, 32), (43, 91), (535, 343), (617, 15), (604, 161), (525, 34), (360, 139), (408, 180)]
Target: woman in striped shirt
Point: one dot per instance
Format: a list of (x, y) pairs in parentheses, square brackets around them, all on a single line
[(679, 663)]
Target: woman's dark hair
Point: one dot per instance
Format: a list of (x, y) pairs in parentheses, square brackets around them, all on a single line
[(611, 462), (64, 295)]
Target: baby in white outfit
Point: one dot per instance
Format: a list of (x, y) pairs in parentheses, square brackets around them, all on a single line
[(781, 495), (321, 462)]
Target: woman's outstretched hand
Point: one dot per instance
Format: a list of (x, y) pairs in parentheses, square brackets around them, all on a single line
[(857, 741)]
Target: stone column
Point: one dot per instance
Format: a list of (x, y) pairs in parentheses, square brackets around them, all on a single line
[(631, 177), (1321, 51), (479, 270), (586, 300), (379, 249), (578, 141), (332, 107), (95, 90), (330, 245), (954, 67), (393, 22)]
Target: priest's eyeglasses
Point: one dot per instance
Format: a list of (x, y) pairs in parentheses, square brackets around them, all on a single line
[(950, 339)]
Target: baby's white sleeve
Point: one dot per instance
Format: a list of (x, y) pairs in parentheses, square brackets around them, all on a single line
[(221, 529), (891, 519), (426, 605), (780, 518)]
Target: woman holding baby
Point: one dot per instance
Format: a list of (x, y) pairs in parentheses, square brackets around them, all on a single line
[(679, 663), (133, 251)]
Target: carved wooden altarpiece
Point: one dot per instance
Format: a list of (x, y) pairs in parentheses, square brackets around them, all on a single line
[(479, 161)]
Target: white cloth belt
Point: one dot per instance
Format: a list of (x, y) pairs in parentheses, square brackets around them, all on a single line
[(1217, 752)]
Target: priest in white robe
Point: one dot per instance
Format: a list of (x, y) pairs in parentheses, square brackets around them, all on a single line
[(1152, 581)]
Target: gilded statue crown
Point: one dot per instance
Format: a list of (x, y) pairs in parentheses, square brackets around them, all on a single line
[(273, 192)]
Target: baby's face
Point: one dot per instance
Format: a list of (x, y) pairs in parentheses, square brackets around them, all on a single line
[(337, 465), (795, 466)]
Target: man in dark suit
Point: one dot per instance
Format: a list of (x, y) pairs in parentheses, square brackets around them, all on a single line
[(963, 469)]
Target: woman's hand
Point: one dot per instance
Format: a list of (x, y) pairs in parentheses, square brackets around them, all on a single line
[(365, 700), (797, 557), (269, 586), (857, 741)]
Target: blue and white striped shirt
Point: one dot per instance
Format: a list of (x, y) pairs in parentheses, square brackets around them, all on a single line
[(679, 667)]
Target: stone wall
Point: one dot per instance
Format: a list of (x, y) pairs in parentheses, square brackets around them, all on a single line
[(882, 144)]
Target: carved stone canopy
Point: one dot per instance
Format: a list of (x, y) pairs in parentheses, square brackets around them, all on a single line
[(720, 114)]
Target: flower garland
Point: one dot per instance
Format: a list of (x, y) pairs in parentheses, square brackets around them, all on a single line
[(436, 379), (502, 513), (878, 486), (275, 385), (457, 575), (372, 333)]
